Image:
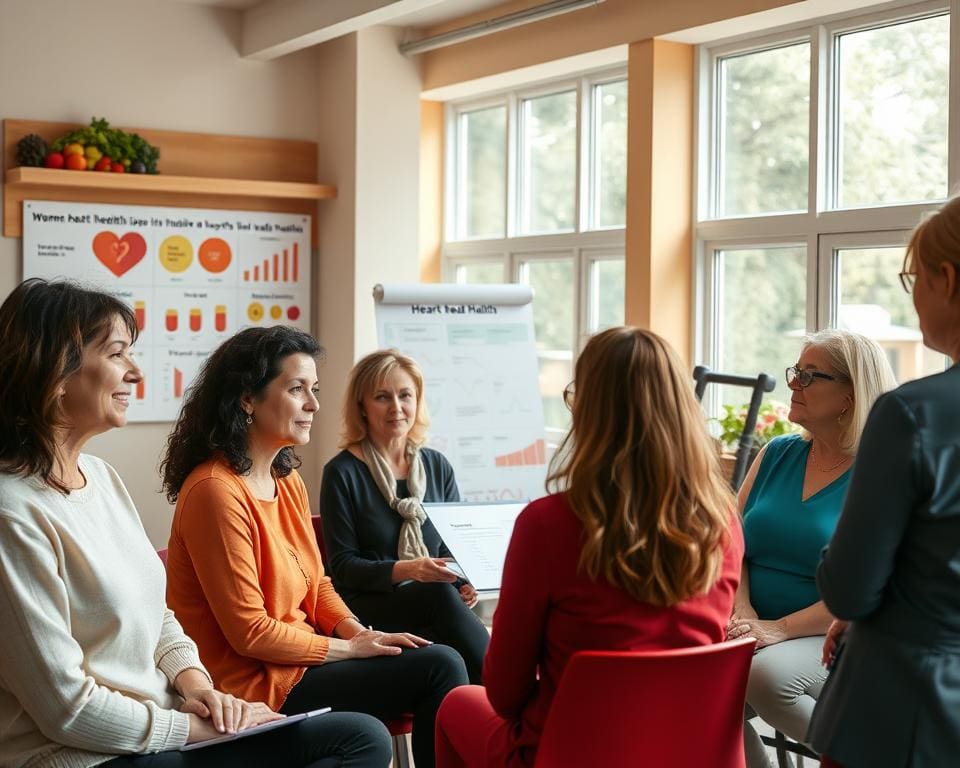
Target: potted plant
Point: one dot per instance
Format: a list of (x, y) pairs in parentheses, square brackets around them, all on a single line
[(772, 422)]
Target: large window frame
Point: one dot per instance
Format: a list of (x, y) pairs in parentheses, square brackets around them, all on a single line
[(586, 244), (822, 229)]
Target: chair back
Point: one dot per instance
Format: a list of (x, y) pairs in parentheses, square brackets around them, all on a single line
[(758, 385), (657, 709)]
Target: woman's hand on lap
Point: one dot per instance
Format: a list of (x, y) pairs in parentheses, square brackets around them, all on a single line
[(371, 642), (832, 640), (469, 595), (225, 713), (763, 631), (424, 569)]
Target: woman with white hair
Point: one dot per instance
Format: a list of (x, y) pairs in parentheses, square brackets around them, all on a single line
[(790, 501)]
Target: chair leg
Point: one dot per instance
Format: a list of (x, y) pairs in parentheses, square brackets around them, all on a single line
[(781, 746), (401, 752)]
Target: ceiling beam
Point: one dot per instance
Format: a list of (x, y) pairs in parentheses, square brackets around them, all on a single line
[(278, 27)]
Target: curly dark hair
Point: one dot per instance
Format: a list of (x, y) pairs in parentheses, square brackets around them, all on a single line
[(212, 420), (44, 327)]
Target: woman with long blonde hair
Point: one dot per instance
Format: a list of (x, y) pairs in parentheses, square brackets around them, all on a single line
[(638, 548)]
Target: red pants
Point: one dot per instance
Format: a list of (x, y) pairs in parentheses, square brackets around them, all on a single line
[(465, 724)]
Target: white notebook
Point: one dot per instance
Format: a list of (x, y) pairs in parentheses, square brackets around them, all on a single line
[(254, 730)]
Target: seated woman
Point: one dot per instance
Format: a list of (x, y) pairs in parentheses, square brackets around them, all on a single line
[(92, 663), (790, 501), (607, 563), (245, 576), (385, 556), (892, 568)]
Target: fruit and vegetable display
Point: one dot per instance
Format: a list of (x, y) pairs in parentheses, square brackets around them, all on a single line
[(97, 147)]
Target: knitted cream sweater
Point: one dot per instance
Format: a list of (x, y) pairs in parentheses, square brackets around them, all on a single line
[(88, 649)]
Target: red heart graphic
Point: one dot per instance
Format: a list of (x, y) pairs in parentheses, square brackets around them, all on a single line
[(119, 254)]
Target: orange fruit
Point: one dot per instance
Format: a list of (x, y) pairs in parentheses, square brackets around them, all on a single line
[(76, 162)]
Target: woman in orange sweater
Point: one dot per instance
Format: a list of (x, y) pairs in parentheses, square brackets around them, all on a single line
[(244, 571)]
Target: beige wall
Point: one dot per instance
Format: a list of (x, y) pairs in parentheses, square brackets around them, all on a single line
[(160, 65)]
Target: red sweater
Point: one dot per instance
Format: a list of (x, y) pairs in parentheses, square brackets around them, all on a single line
[(547, 612)]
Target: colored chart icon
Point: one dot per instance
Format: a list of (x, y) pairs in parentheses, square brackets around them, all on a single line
[(276, 312), (176, 254), (255, 312), (214, 255), (293, 312)]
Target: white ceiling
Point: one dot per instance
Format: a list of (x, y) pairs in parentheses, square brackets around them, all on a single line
[(439, 12)]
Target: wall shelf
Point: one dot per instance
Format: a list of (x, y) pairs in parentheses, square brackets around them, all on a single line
[(135, 183), (281, 176)]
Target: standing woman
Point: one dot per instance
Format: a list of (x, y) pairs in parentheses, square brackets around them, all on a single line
[(790, 502), (385, 556), (640, 550), (92, 663), (892, 568), (245, 576)]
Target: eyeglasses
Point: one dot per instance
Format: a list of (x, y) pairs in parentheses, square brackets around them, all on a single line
[(568, 395), (804, 377), (907, 280)]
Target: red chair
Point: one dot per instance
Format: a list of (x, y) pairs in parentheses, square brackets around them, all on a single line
[(399, 727), (659, 709)]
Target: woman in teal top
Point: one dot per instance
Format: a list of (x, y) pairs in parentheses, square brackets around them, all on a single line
[(784, 532), (790, 502)]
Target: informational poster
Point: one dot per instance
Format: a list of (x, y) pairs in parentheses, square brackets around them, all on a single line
[(475, 344), (193, 277)]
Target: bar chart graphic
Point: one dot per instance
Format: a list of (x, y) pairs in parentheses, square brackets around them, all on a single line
[(282, 267), (530, 456), (177, 383)]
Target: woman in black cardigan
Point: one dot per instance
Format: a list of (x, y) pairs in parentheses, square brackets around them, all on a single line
[(385, 557)]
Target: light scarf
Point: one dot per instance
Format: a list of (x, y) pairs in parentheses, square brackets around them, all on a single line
[(410, 545)]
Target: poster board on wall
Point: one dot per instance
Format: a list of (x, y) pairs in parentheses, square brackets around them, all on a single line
[(475, 344), (193, 277)]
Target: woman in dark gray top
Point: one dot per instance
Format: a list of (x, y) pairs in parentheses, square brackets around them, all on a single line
[(385, 557), (892, 569)]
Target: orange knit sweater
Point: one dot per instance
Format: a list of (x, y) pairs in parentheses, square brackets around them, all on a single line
[(245, 580)]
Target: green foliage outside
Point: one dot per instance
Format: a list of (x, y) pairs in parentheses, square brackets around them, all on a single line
[(485, 135), (549, 163), (772, 422)]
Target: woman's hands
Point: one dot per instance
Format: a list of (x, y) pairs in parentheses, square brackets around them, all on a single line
[(469, 595), (832, 640), (212, 712), (423, 569), (371, 642), (764, 632)]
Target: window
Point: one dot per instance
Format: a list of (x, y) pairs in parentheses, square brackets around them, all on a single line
[(556, 155), (820, 147)]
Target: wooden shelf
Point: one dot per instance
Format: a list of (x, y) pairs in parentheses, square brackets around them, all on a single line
[(134, 183), (281, 176)]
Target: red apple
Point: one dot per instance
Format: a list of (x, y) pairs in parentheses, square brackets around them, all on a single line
[(103, 164), (117, 168), (54, 160)]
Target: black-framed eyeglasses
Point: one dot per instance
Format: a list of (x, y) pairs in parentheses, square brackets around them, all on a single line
[(568, 395), (907, 280), (804, 377)]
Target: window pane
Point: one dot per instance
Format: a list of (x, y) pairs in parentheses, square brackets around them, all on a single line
[(762, 315), (610, 172), (549, 163), (764, 131), (480, 273), (483, 168), (892, 143), (606, 294), (872, 302), (552, 282)]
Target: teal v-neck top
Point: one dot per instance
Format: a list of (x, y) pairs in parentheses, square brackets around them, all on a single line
[(784, 534)]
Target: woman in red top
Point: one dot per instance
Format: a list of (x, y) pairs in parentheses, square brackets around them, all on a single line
[(641, 551)]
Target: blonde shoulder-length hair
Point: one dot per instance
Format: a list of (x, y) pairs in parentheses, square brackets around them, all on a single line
[(365, 378), (861, 362), (640, 471)]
